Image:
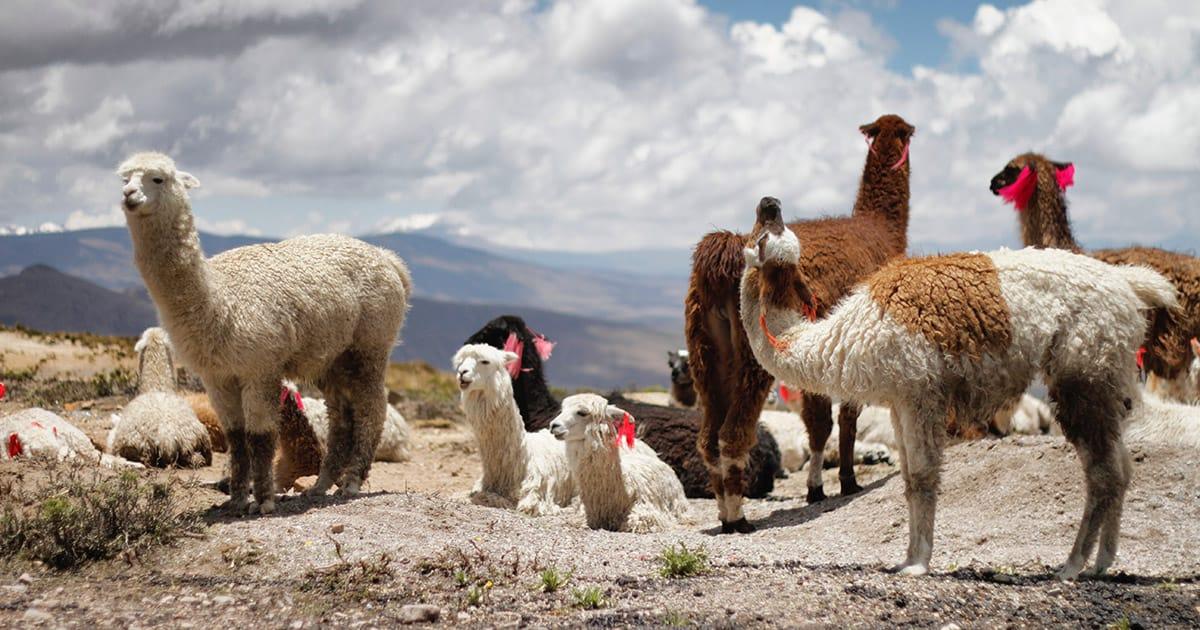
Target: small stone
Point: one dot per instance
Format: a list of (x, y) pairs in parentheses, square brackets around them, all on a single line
[(222, 600), (296, 625), (337, 528), (16, 589), (34, 615), (463, 617), (420, 613), (506, 620), (951, 626), (25, 578)]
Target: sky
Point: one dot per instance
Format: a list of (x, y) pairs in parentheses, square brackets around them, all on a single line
[(598, 125)]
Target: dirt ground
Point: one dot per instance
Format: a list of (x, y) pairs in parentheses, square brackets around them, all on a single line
[(1007, 516)]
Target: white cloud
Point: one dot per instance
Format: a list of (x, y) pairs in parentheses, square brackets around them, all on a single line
[(595, 124), (82, 220)]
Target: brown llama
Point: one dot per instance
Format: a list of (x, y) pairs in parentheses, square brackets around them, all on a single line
[(1036, 186), (731, 384)]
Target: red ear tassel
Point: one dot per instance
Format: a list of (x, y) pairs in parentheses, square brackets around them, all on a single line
[(626, 431), (1141, 358), (3, 391), (514, 345), (785, 394), (299, 400), (1019, 192), (14, 446), (1065, 176)]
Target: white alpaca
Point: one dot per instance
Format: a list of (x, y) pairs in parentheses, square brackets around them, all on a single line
[(960, 336), (327, 309), (159, 427), (393, 439), (789, 432), (40, 434), (526, 471), (1158, 421), (622, 487), (1184, 388)]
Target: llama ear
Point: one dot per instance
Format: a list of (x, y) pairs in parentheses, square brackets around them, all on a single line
[(614, 413), (509, 357), (869, 130), (187, 179), (1064, 173)]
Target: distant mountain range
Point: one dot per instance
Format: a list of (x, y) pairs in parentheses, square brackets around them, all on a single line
[(591, 352), (441, 270)]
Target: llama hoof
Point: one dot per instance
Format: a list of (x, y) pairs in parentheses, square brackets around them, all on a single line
[(264, 508), (816, 495), (1068, 573), (912, 570), (235, 506), (850, 487), (741, 526), (316, 491)]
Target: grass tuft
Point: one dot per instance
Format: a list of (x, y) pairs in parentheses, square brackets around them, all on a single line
[(677, 561), (551, 580), (590, 598)]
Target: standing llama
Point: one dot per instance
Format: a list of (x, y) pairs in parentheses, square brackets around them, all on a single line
[(840, 253), (323, 308), (1036, 186), (958, 337)]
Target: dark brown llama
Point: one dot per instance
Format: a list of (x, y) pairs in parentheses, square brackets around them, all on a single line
[(839, 252), (1036, 186)]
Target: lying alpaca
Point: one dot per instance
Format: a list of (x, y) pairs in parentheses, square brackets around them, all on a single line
[(958, 336), (683, 388), (672, 432), (202, 407), (509, 332), (41, 434), (158, 427), (788, 430), (623, 487), (324, 308), (1157, 421), (1036, 186), (1185, 387), (528, 471)]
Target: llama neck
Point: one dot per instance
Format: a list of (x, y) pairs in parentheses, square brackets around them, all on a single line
[(883, 193), (805, 362), (1044, 221), (496, 421), (598, 473), (156, 372), (168, 255)]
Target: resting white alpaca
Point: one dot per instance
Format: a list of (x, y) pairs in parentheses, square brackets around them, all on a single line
[(159, 427), (962, 335), (1158, 421), (622, 487), (1183, 389), (528, 471), (789, 432), (393, 439), (326, 309), (41, 434)]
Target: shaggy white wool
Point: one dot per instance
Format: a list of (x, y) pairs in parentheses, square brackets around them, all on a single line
[(393, 439), (160, 429), (1161, 422), (326, 309), (1074, 319), (789, 432), (621, 488), (42, 434), (525, 471), (156, 365)]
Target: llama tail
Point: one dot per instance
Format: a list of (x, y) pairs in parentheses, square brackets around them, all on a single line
[(1151, 287)]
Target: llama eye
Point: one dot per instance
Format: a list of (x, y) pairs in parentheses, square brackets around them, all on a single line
[(485, 363), (158, 180), (581, 413)]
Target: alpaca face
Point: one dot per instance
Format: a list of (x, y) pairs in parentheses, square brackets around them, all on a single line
[(583, 414), (889, 137), (151, 178), (1039, 166), (771, 241), (681, 373), (480, 366)]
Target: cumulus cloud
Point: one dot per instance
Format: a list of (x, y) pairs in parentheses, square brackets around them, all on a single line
[(591, 124)]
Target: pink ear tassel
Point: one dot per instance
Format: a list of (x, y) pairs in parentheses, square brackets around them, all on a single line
[(544, 346), (514, 345), (1065, 177), (903, 157), (1019, 192)]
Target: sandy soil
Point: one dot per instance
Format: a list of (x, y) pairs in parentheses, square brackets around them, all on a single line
[(59, 357), (1007, 515)]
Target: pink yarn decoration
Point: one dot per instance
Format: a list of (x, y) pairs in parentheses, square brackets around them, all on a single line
[(544, 346), (903, 157), (1065, 176), (1019, 192), (514, 345)]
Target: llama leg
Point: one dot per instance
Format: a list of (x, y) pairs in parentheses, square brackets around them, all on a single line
[(1120, 467), (923, 461), (369, 403), (818, 421), (340, 440), (847, 432), (226, 398), (261, 407)]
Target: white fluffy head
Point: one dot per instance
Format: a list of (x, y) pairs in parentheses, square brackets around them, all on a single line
[(586, 414), (781, 249), (152, 337), (480, 367), (152, 182)]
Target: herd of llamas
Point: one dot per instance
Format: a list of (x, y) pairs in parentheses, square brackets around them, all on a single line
[(917, 352)]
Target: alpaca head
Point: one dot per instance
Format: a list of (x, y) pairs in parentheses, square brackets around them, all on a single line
[(889, 137), (153, 186), (1026, 173), (681, 373), (153, 337), (771, 243), (509, 332), (588, 416), (480, 367)]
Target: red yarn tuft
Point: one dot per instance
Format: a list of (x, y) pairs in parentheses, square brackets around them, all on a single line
[(1019, 192), (785, 394), (1065, 176), (903, 156), (3, 391), (544, 346), (14, 446), (626, 431), (514, 345), (1141, 358)]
